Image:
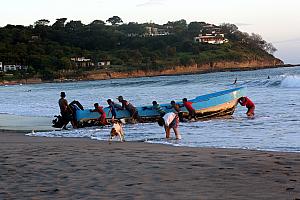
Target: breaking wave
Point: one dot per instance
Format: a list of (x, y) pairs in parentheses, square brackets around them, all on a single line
[(291, 81), (284, 81)]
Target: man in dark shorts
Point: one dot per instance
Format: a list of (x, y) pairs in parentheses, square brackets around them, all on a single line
[(65, 111), (130, 108), (112, 110)]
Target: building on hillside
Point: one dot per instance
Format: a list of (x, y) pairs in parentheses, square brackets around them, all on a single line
[(35, 37), (211, 38), (5, 68), (153, 31), (82, 62), (103, 63), (210, 29)]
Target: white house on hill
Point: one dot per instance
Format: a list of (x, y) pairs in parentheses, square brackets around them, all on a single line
[(5, 68), (103, 63), (82, 62), (213, 38)]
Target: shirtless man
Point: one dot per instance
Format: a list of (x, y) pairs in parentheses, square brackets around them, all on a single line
[(65, 111), (130, 108), (177, 109)]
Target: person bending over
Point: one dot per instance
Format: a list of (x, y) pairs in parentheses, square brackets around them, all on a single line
[(170, 121), (245, 101), (102, 118)]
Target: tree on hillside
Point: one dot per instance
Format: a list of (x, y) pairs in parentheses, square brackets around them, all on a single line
[(177, 26), (97, 23), (257, 40), (132, 28), (114, 20), (270, 48), (74, 25), (194, 28), (60, 23), (42, 22), (229, 28)]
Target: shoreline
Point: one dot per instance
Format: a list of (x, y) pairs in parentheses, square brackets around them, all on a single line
[(42, 168), (107, 75), (28, 125)]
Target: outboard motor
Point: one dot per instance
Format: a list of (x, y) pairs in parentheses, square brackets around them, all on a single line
[(58, 122)]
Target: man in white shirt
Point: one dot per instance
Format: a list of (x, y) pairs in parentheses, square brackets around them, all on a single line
[(170, 121)]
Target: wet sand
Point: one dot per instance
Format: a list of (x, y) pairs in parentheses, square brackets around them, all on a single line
[(76, 168), (21, 123)]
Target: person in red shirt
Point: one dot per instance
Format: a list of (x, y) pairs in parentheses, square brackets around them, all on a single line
[(245, 101), (100, 110), (189, 107)]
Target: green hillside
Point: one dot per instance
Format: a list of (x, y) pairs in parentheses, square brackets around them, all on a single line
[(47, 48)]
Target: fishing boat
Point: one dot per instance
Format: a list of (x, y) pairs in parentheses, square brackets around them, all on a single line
[(207, 106)]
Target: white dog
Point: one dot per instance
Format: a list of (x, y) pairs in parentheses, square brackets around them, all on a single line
[(117, 130)]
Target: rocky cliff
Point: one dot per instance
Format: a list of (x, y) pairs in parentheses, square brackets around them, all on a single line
[(191, 69)]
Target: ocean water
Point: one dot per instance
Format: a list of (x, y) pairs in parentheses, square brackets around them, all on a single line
[(276, 126)]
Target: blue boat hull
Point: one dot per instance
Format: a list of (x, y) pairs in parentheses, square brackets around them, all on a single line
[(206, 106)]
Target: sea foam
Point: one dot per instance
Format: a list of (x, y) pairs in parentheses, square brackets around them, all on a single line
[(291, 81)]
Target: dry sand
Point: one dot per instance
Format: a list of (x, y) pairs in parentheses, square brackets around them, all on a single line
[(70, 168)]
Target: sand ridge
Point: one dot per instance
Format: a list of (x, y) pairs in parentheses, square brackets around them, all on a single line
[(76, 168)]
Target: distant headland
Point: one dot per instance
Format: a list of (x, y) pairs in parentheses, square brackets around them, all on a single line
[(71, 50)]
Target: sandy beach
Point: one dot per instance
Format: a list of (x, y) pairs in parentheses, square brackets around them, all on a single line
[(76, 168)]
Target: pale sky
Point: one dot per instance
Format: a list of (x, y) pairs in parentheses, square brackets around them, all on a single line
[(278, 21)]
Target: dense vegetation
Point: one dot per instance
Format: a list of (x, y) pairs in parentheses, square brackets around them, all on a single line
[(47, 49)]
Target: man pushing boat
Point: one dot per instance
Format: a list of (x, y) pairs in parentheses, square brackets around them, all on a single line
[(130, 108), (245, 101), (65, 111)]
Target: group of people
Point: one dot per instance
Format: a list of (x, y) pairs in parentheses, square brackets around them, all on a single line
[(168, 120), (171, 120), (68, 113)]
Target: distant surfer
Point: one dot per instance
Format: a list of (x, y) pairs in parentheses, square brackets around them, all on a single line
[(245, 101), (268, 77), (235, 81), (170, 121)]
